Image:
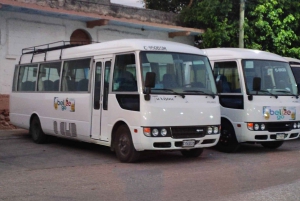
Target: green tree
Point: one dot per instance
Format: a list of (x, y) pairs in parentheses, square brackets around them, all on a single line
[(174, 6), (271, 26), (219, 18)]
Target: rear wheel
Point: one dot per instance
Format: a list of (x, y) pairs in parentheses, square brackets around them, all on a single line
[(192, 153), (123, 145), (36, 131), (227, 142), (272, 145)]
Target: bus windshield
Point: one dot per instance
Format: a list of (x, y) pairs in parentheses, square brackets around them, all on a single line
[(178, 73), (276, 77)]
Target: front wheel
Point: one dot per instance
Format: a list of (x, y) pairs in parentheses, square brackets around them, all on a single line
[(227, 142), (272, 145), (192, 153), (36, 131), (123, 145)]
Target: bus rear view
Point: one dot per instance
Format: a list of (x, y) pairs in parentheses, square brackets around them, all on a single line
[(258, 96)]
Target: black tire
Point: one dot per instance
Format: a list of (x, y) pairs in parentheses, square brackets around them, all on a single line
[(123, 146), (227, 142), (36, 131), (272, 145), (192, 153)]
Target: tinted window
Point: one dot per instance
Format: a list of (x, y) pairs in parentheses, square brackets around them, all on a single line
[(27, 77), (124, 78), (296, 72), (227, 73), (49, 74), (76, 75)]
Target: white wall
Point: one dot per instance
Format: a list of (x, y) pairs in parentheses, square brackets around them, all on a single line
[(18, 31)]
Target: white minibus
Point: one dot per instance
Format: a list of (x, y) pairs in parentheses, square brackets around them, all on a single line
[(258, 96), (132, 95)]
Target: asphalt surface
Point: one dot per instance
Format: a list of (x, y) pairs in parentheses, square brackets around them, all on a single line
[(70, 170)]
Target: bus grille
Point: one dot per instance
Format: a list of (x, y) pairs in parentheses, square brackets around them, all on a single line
[(188, 132), (279, 126)]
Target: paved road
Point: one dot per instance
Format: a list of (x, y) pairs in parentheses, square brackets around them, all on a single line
[(69, 170)]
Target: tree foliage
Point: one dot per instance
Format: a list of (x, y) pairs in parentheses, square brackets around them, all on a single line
[(174, 6), (270, 25), (217, 17)]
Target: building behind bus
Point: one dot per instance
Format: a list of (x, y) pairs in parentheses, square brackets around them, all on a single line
[(28, 23)]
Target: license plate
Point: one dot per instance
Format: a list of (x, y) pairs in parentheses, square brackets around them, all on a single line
[(188, 143), (280, 136)]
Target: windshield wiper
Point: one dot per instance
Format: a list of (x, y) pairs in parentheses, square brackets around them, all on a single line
[(196, 91), (174, 92), (282, 91), (276, 96)]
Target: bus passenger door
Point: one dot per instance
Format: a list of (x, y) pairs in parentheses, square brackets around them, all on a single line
[(99, 100)]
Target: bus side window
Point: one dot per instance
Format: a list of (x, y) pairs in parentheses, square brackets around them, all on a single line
[(27, 78), (75, 75), (227, 72), (49, 74)]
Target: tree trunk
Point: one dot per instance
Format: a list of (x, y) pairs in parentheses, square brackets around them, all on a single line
[(190, 4)]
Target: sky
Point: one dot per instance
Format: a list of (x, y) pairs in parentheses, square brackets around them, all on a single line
[(134, 3)]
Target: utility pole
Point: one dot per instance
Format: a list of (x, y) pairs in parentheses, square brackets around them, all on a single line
[(241, 27)]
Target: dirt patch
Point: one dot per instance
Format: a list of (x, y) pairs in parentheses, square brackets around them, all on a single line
[(4, 101), (4, 113), (5, 120)]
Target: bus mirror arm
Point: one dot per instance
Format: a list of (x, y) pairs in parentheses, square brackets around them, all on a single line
[(147, 95), (149, 83), (250, 97)]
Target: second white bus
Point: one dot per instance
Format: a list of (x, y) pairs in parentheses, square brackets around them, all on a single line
[(131, 95), (258, 96)]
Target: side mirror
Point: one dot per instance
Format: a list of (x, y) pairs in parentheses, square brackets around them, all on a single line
[(256, 84), (150, 80), (149, 83), (298, 86)]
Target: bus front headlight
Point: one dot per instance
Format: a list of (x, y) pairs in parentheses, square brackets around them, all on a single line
[(216, 129), (155, 132), (163, 132), (209, 130)]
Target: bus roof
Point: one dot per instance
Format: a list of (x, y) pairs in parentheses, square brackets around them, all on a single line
[(241, 53), (109, 47)]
